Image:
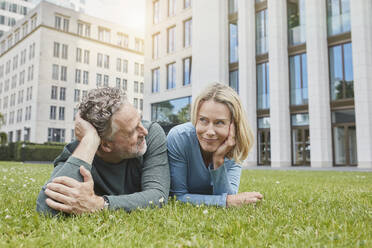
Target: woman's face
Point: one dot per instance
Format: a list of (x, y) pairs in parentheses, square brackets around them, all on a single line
[(212, 125)]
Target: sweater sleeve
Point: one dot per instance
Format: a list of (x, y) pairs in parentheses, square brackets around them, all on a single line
[(178, 163), (155, 178), (226, 178), (69, 168)]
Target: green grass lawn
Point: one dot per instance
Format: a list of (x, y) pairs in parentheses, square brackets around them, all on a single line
[(300, 209)]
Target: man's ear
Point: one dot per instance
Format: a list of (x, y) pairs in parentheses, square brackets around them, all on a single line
[(106, 146)]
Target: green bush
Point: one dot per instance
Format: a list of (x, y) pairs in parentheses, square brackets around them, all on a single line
[(30, 152), (40, 152)]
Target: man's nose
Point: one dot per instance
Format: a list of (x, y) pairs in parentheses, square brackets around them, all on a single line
[(143, 130)]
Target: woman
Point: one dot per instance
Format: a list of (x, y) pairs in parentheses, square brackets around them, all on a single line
[(204, 155)]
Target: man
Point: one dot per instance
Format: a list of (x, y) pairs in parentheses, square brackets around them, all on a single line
[(120, 162)]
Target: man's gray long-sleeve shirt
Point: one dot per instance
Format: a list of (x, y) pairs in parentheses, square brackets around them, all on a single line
[(133, 183)]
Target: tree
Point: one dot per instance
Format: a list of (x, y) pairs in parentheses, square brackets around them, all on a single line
[(3, 136)]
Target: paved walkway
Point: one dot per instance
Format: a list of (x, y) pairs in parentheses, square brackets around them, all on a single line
[(308, 168)]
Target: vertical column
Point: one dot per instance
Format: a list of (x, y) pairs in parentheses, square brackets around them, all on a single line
[(247, 69), (361, 33), (279, 84), (210, 43), (318, 83)]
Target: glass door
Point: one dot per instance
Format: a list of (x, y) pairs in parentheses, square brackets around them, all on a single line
[(345, 148), (264, 153), (301, 145)]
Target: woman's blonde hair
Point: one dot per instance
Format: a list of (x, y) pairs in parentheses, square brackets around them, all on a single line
[(243, 134)]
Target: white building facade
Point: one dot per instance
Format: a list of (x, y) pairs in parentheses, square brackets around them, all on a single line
[(303, 70), (51, 59), (12, 11)]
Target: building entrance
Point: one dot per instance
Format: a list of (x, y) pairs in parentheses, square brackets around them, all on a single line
[(301, 145), (344, 141), (264, 153)]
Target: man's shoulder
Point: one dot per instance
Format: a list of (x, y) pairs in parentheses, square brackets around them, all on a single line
[(153, 128)]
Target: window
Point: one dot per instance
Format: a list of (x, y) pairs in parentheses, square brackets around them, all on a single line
[(31, 51), (78, 54), (187, 26), (186, 4), (80, 29), (22, 77), (24, 29), (63, 73), (104, 34), (233, 6), (135, 102), (66, 23), (155, 46), (53, 111), (118, 83), (171, 7), (106, 80), (125, 66), (171, 39), (56, 135), (77, 76), (57, 22), (23, 56), (99, 59), (86, 77), (142, 70), (99, 80), (62, 94), (56, 50), (77, 95), (135, 88), (55, 70), (261, 32), (15, 62), (84, 94), (87, 30), (156, 12), (125, 84), (118, 64), (341, 72), (33, 22), (107, 61), (171, 76), (171, 112), (141, 104), (30, 74), (54, 93), (298, 79), (136, 69), (233, 37), (86, 57), (296, 22), (61, 115), (138, 45), (155, 80), (123, 40), (187, 71), (141, 88), (64, 51), (263, 86), (338, 16), (29, 94), (234, 80)]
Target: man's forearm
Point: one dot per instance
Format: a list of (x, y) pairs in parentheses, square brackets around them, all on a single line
[(87, 148)]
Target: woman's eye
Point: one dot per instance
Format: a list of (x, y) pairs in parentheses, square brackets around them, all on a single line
[(220, 123), (203, 120)]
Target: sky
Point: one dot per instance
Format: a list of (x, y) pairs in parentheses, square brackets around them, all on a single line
[(129, 13)]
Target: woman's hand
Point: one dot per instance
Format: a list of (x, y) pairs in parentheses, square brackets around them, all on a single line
[(243, 198), (221, 152), (84, 128)]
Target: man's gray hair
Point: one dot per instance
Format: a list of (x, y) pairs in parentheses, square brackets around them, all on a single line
[(99, 106)]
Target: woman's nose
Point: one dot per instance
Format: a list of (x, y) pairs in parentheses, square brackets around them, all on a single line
[(210, 130)]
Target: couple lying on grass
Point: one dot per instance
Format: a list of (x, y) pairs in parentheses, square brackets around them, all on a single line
[(121, 162)]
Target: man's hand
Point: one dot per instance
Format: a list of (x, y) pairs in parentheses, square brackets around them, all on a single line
[(243, 198), (83, 128), (70, 196), (221, 152)]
